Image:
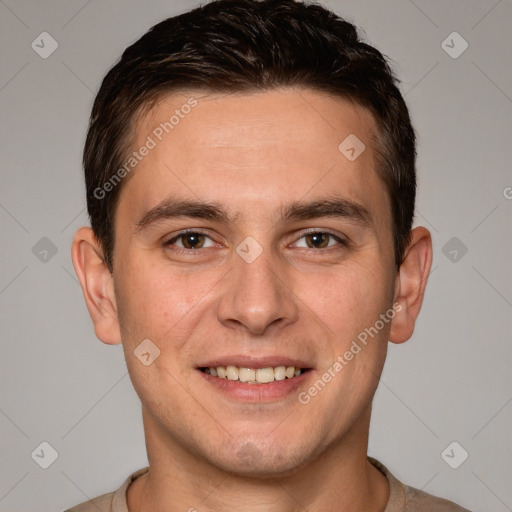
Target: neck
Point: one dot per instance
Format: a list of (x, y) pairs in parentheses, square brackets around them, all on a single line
[(340, 478)]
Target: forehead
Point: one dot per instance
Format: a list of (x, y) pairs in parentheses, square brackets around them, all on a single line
[(254, 152)]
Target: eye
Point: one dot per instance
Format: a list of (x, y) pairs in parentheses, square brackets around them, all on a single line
[(190, 240), (320, 240)]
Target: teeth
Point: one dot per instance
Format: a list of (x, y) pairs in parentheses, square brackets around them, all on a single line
[(232, 372), (280, 372), (265, 375), (252, 375), (246, 374)]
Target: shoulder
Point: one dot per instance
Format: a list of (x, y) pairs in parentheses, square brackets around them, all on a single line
[(403, 498), (420, 501), (110, 502)]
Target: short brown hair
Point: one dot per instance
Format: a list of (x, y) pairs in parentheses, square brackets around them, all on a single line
[(249, 45)]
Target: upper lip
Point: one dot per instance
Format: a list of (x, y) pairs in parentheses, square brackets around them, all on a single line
[(244, 361)]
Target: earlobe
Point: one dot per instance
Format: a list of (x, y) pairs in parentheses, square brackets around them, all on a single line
[(411, 283), (97, 285)]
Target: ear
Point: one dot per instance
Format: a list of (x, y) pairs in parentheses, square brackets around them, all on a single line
[(410, 284), (97, 285)]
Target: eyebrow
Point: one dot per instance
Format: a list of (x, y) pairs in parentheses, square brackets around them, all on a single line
[(329, 207)]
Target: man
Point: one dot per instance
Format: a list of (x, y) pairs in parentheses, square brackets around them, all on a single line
[(250, 173)]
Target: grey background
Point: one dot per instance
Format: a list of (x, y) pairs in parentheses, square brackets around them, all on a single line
[(450, 382)]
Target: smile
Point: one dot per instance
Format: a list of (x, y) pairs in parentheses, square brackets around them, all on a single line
[(254, 375)]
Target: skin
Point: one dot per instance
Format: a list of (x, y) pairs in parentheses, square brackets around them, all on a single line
[(254, 154)]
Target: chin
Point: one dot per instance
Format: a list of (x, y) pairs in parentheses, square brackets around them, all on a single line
[(266, 460)]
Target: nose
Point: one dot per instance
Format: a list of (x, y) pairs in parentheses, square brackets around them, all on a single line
[(257, 297)]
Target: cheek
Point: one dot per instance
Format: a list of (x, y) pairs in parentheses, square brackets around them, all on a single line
[(348, 300), (156, 302)]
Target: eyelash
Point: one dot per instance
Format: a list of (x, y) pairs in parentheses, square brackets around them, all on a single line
[(341, 242)]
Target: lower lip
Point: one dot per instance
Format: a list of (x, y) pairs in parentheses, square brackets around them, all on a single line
[(257, 392)]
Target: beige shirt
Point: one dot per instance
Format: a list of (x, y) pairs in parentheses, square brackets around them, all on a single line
[(402, 498)]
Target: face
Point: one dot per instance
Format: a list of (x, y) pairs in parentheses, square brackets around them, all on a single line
[(246, 238)]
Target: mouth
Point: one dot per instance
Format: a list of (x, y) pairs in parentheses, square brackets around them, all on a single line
[(249, 379), (257, 376)]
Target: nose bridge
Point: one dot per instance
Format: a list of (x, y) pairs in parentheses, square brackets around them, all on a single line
[(256, 296)]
